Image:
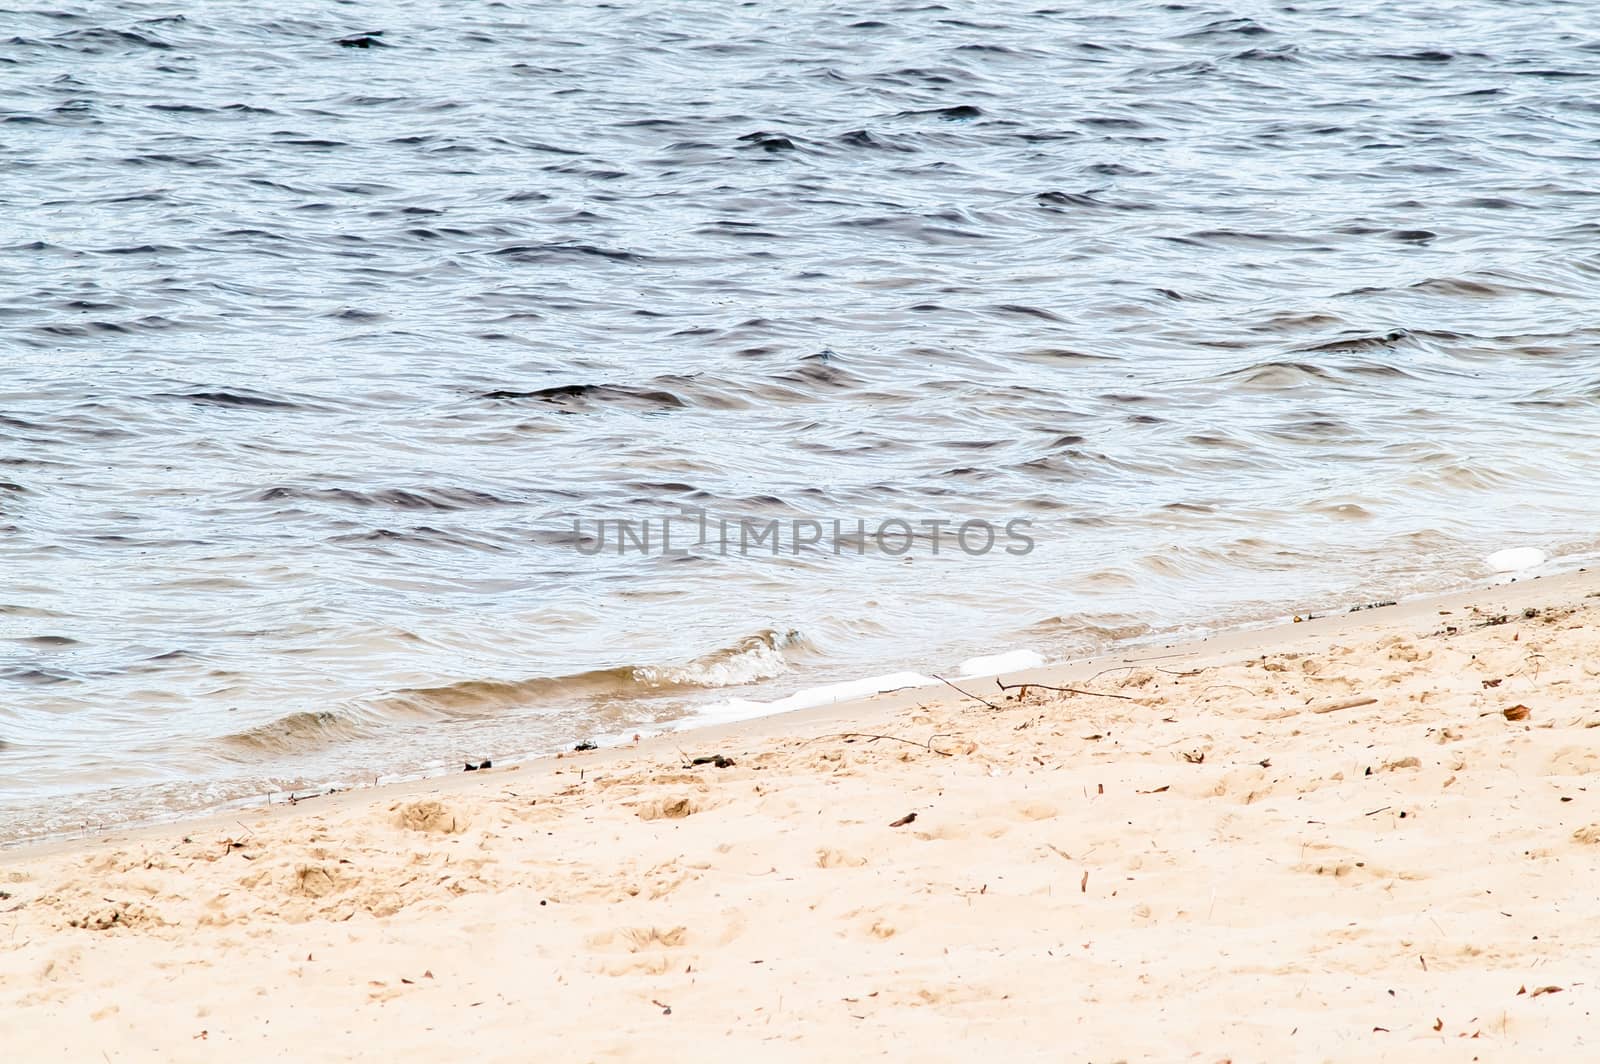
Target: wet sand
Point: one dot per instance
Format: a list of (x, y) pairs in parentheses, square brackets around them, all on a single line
[(1366, 837)]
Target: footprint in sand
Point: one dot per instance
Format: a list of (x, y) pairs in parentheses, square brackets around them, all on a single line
[(1572, 761), (839, 859), (1344, 866), (675, 808), (429, 815), (646, 949), (1035, 811)]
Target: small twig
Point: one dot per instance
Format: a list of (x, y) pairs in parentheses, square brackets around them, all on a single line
[(928, 746), (1348, 703), (1067, 690), (969, 694), (1227, 687), (1114, 668), (1532, 660), (1153, 668)]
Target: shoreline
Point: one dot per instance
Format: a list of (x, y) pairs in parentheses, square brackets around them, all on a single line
[(1248, 847), (1271, 633)]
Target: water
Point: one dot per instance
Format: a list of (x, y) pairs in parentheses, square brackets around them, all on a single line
[(1248, 309)]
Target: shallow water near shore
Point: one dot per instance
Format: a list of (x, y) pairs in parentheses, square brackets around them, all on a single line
[(315, 352)]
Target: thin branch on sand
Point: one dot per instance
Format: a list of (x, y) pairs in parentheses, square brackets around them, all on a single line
[(1065, 690), (969, 694), (1154, 668), (871, 737), (1343, 703)]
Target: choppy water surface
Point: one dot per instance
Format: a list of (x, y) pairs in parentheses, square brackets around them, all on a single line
[(313, 352)]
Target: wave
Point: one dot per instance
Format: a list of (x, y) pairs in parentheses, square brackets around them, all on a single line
[(757, 657), (412, 498), (572, 395), (298, 731)]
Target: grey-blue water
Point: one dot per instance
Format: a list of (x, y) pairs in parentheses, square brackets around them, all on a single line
[(320, 324)]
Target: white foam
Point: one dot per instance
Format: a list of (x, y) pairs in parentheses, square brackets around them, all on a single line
[(1516, 559), (761, 662), (826, 695), (995, 664)]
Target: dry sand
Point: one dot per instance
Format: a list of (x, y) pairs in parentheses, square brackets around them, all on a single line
[(1193, 864)]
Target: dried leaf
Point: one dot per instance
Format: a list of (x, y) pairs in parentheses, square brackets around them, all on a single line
[(1197, 757), (903, 821), (1083, 884), (1438, 1024), (1492, 683), (1547, 990), (1517, 712), (1158, 790)]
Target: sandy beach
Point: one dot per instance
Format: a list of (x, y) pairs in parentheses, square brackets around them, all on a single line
[(1366, 837)]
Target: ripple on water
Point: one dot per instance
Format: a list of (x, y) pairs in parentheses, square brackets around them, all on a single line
[(333, 330)]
